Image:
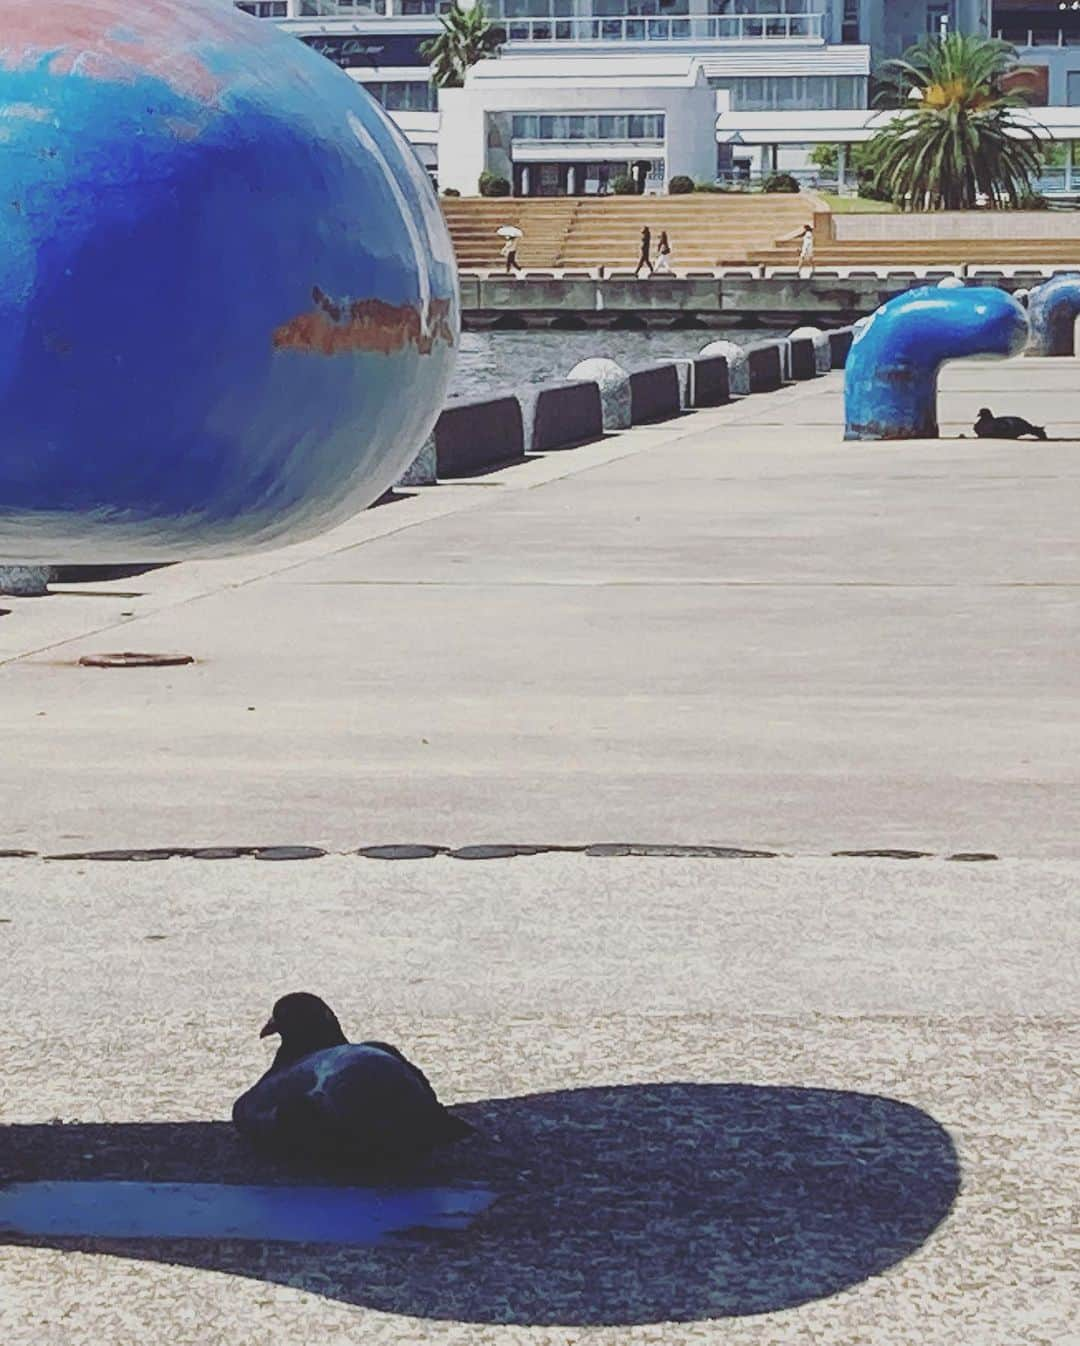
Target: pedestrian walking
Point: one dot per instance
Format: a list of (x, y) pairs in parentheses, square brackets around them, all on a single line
[(509, 251), (512, 236), (646, 248), (663, 254), (806, 249)]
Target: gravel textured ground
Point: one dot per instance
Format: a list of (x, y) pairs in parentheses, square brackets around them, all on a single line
[(737, 1100), (798, 1099)]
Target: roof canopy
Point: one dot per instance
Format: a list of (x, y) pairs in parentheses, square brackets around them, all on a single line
[(852, 128), (623, 71)]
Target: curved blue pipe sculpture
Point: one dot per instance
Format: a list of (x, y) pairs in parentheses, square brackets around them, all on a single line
[(890, 381), (228, 300), (1054, 309)]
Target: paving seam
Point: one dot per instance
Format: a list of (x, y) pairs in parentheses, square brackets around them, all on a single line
[(604, 850)]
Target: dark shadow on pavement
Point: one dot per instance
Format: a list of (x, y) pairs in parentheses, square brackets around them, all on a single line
[(632, 1204)]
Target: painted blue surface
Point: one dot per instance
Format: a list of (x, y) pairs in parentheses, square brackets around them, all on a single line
[(1053, 309), (891, 376), (195, 1210), (228, 300)]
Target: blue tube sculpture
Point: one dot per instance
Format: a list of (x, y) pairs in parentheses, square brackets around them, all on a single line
[(1054, 309), (890, 382), (228, 300)]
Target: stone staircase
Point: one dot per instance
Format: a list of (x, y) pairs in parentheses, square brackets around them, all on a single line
[(705, 230), (927, 252)]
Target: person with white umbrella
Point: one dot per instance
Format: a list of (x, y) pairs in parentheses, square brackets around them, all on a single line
[(512, 234)]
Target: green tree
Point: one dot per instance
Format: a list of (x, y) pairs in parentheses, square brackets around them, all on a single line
[(467, 37), (956, 139)]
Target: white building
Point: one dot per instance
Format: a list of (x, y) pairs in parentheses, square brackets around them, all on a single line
[(645, 117), (529, 117)]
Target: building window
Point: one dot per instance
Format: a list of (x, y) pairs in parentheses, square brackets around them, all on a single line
[(315, 9), (939, 19), (588, 126), (618, 8), (793, 93), (264, 9), (368, 50), (850, 29), (404, 95), (531, 9)]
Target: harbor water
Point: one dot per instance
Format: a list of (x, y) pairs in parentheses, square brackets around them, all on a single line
[(490, 363)]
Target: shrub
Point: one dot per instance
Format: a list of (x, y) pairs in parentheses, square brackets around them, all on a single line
[(1032, 201), (870, 190), (825, 157), (680, 185), (451, 191), (624, 185), (780, 182), (494, 184), (708, 187)]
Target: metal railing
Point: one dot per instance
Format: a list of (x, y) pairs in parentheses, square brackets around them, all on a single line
[(724, 28), (642, 9), (1040, 37)]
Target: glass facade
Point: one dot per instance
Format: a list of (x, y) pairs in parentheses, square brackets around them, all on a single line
[(319, 9), (265, 9), (793, 93), (368, 50), (405, 95), (588, 126)]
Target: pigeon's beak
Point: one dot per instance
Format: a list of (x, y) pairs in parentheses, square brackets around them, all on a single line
[(269, 1029)]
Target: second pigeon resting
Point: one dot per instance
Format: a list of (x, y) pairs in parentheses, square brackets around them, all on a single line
[(989, 426)]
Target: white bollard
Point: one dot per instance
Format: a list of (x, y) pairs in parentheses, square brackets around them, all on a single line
[(822, 349), (738, 369), (25, 581), (950, 283), (421, 471), (614, 384)]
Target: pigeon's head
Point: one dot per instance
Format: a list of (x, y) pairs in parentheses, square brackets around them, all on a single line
[(305, 1024), (985, 414)]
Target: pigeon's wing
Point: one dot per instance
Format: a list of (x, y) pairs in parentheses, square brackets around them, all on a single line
[(445, 1127), (400, 1056), (359, 1103)]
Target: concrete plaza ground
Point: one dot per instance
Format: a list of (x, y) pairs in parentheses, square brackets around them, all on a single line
[(799, 1098)]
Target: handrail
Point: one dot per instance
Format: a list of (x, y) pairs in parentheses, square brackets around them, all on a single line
[(1039, 37), (634, 28)]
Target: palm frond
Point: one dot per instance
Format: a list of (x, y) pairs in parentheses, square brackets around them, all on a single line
[(956, 139)]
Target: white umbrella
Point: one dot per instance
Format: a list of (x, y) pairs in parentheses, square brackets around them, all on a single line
[(509, 231)]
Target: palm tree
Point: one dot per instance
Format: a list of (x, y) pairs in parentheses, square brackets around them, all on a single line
[(957, 139), (466, 37)]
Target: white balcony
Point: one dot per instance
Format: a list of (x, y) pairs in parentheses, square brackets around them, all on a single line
[(578, 20), (1039, 37), (741, 28)]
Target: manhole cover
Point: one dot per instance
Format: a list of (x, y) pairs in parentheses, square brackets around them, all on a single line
[(131, 659)]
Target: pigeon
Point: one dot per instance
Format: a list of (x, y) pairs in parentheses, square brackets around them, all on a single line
[(989, 426), (332, 1103)]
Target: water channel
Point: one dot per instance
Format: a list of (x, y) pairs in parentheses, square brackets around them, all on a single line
[(494, 362)]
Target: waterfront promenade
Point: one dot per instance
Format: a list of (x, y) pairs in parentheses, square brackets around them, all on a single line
[(730, 629)]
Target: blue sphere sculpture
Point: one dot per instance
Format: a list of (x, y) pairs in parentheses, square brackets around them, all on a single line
[(228, 300), (891, 375)]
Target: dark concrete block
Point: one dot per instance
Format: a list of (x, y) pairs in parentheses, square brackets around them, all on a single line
[(712, 381), (839, 344), (567, 414), (803, 359), (478, 434), (765, 363), (654, 393)]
